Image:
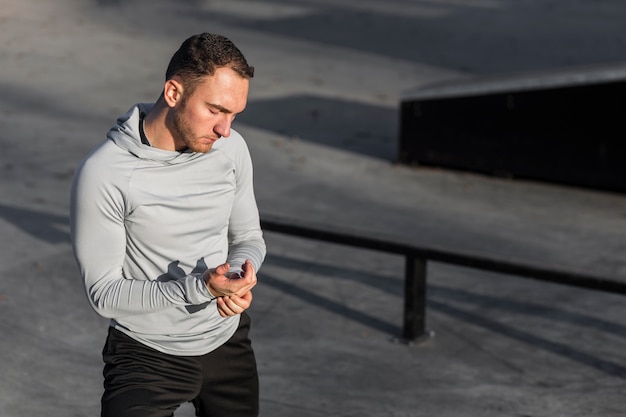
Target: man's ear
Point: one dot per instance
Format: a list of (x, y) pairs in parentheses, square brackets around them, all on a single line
[(172, 92)]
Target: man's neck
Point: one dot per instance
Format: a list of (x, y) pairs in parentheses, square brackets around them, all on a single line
[(156, 129)]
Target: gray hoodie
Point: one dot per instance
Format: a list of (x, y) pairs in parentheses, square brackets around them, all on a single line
[(146, 223)]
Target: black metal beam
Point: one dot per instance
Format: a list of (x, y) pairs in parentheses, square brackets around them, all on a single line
[(416, 258), (414, 298)]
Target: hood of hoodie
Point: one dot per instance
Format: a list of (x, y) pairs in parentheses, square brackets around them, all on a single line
[(125, 134)]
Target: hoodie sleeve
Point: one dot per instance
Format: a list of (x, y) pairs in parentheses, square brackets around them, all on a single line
[(244, 231), (97, 212)]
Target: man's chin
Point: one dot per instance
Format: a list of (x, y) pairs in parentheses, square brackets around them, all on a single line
[(200, 147)]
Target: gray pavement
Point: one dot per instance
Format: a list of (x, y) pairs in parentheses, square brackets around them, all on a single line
[(322, 125)]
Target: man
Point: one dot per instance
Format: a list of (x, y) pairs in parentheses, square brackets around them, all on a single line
[(165, 230)]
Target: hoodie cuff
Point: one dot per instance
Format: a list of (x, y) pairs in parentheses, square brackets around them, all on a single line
[(196, 289)]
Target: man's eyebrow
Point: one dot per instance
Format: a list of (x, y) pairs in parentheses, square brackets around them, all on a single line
[(220, 108)]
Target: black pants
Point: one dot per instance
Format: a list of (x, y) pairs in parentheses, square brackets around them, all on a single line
[(142, 382)]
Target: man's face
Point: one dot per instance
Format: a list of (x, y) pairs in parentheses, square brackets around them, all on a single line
[(205, 115)]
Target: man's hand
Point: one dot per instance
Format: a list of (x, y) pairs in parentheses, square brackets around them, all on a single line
[(232, 289), (221, 282), (231, 305)]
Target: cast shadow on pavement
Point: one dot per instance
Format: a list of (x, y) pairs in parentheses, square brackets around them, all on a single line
[(556, 348), (330, 305), (49, 227), (361, 128), (419, 31), (528, 309), (441, 299)]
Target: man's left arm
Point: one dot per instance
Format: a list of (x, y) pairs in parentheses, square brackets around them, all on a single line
[(244, 231), (246, 244)]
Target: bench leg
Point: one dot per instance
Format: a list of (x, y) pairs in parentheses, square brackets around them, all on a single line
[(415, 300)]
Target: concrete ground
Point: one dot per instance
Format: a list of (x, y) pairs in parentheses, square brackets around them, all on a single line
[(322, 128)]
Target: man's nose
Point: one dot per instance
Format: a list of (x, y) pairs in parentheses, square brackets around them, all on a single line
[(222, 128)]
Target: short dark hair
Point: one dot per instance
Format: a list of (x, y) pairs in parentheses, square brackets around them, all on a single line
[(201, 54)]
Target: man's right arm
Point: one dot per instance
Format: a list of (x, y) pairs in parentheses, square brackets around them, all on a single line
[(97, 211)]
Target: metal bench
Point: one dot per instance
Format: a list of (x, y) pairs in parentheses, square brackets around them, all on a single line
[(416, 258)]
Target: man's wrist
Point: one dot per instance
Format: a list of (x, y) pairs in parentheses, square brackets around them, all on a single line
[(213, 292)]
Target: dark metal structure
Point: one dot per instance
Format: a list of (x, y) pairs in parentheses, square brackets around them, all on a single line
[(416, 258), (562, 126)]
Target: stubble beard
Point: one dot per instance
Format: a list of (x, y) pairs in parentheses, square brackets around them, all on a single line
[(183, 130)]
